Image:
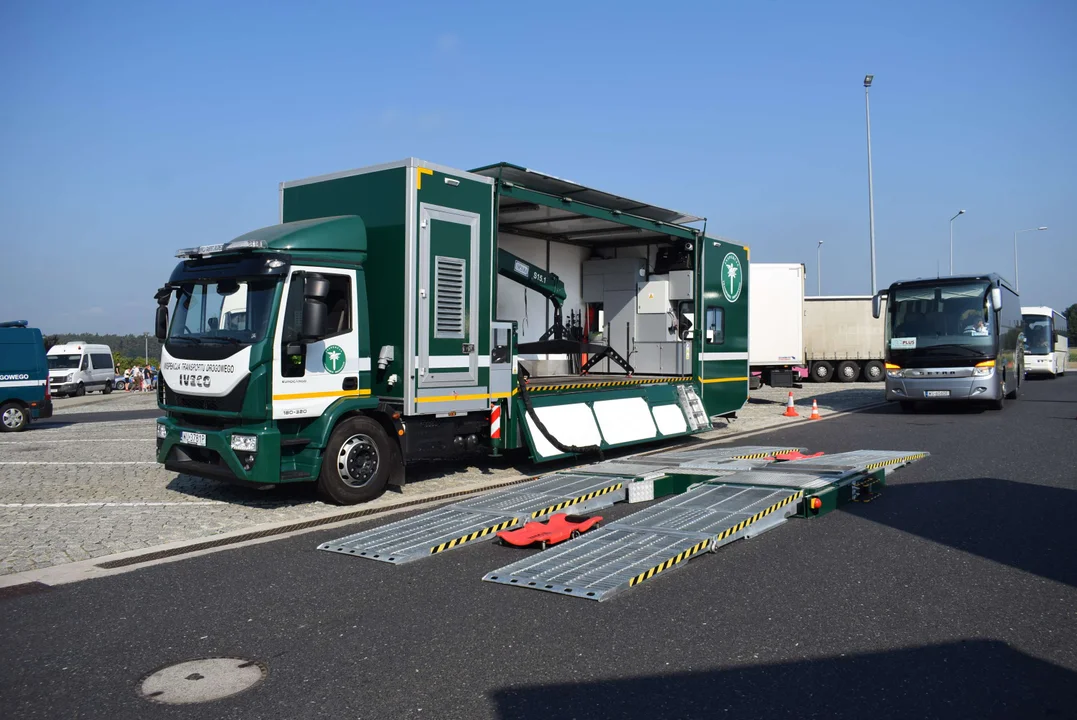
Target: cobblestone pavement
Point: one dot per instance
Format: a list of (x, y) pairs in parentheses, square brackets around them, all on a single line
[(85, 490)]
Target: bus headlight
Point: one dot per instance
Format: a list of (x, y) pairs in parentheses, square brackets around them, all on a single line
[(894, 371), (983, 369)]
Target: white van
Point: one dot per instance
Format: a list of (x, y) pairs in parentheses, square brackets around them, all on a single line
[(77, 367)]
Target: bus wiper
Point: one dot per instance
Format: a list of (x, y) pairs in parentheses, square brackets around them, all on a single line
[(950, 347), (221, 340), (183, 338)]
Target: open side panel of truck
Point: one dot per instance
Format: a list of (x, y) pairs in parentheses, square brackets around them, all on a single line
[(722, 369)]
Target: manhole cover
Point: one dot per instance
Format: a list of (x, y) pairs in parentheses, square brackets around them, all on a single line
[(197, 681)]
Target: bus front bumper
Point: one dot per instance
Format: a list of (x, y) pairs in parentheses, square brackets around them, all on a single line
[(943, 389), (1039, 364)]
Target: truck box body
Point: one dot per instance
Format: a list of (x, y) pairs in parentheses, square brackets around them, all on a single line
[(841, 328), (24, 373), (776, 315)]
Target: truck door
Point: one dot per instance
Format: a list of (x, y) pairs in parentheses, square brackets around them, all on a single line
[(308, 377), (448, 326), (722, 359)]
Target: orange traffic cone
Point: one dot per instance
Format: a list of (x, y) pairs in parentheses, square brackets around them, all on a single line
[(814, 411), (790, 411)]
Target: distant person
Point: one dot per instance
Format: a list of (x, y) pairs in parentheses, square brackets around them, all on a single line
[(126, 379), (147, 381)]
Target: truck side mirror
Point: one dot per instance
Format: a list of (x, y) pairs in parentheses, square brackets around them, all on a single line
[(315, 319), (160, 324), (996, 298), (876, 306)]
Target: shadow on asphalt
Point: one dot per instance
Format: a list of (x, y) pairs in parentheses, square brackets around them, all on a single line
[(97, 417), (1028, 527), (966, 679), (824, 398), (927, 408)]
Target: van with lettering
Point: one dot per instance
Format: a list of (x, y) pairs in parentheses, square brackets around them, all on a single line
[(24, 386), (76, 367)]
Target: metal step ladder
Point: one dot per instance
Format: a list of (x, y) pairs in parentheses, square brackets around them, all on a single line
[(692, 407), (623, 554), (481, 517)]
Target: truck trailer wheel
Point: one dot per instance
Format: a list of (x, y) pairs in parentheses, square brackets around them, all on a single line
[(848, 371), (873, 371), (358, 461), (821, 371), (13, 417)]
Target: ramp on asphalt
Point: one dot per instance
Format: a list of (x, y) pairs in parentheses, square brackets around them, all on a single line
[(623, 554)]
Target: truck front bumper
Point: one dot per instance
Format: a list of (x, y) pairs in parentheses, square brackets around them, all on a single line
[(207, 452)]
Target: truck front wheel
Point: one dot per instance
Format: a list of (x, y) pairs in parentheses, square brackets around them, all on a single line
[(358, 461), (821, 371)]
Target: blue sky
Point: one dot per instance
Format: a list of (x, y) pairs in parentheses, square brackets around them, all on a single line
[(132, 129)]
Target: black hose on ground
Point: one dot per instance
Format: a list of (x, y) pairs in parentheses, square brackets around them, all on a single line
[(570, 449)]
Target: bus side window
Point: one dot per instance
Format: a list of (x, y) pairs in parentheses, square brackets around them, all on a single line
[(715, 325)]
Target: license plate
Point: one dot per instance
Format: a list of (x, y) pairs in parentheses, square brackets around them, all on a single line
[(190, 438), (937, 393)]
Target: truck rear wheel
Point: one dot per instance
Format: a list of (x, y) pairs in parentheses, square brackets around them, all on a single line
[(358, 461), (873, 371), (821, 371), (13, 417), (848, 371)]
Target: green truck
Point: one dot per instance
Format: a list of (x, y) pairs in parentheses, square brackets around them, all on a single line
[(410, 311)]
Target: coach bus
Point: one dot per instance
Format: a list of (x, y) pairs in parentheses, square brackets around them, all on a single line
[(952, 339), (1047, 345)]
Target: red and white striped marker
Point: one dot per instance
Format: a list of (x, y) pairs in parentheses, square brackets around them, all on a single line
[(495, 422)]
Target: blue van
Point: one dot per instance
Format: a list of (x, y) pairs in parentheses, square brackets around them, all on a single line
[(24, 377)]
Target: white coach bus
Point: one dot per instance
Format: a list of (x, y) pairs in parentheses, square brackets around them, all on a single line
[(1046, 341)]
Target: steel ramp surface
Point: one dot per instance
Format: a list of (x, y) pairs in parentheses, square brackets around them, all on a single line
[(479, 518), (623, 554), (856, 461)]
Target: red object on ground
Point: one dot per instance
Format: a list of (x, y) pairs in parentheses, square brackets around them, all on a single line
[(795, 455), (557, 529)]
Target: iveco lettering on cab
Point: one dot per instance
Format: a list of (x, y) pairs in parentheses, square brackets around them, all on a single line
[(381, 322)]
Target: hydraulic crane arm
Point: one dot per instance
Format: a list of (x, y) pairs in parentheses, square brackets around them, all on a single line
[(544, 283)]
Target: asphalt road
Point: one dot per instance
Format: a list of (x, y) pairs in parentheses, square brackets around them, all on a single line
[(954, 595)]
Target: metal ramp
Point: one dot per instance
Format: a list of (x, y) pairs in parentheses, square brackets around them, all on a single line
[(623, 554), (479, 518), (692, 407)]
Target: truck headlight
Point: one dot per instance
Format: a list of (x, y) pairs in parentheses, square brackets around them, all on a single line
[(162, 431), (245, 443)]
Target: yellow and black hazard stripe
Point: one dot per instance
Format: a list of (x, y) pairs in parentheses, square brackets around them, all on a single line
[(759, 456), (573, 501), (607, 383), (697, 548), (472, 536), (758, 516), (895, 461)]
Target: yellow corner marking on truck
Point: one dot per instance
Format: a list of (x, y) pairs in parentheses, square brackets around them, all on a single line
[(328, 393), (895, 461), (758, 516), (728, 379), (419, 177), (451, 398), (471, 536), (609, 383), (581, 498), (680, 557), (759, 456)]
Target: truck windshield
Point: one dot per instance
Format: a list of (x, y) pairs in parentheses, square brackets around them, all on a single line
[(227, 311), (943, 319), (64, 362), (1037, 335)]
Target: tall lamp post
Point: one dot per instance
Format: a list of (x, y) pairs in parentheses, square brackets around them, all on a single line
[(955, 217), (1016, 276), (819, 268), (871, 195)]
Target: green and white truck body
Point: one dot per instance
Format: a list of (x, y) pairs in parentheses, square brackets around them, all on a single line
[(402, 312)]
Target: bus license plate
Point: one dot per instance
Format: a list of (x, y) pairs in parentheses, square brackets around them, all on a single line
[(937, 393), (190, 438)]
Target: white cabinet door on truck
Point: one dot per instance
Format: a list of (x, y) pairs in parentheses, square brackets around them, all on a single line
[(309, 376)]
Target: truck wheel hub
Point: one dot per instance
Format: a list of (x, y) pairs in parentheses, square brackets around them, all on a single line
[(12, 417), (357, 461)]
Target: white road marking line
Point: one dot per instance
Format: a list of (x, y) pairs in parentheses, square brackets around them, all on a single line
[(110, 504), (74, 440), (79, 462)]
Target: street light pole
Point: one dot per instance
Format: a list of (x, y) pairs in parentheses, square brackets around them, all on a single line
[(146, 336), (871, 194), (819, 268), (1016, 276), (959, 214)]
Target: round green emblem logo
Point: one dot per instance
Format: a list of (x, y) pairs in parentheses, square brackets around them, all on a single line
[(732, 277), (333, 359)]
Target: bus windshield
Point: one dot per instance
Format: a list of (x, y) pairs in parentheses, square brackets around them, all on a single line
[(1038, 335), (946, 318), (228, 311)]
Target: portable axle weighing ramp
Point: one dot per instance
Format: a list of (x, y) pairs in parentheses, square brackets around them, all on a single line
[(479, 518), (728, 506)]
